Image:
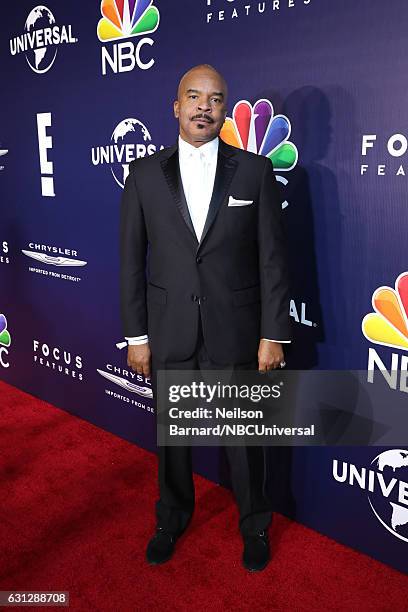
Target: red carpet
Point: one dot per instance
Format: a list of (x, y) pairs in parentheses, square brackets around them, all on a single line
[(77, 510)]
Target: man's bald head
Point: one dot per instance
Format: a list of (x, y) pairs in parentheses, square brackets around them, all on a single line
[(202, 69), (201, 104)]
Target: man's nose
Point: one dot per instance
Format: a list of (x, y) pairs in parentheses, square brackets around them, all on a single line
[(204, 106)]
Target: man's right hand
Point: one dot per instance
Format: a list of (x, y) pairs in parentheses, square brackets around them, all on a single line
[(138, 358)]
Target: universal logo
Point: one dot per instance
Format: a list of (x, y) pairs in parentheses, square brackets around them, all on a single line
[(41, 39), (297, 310), (385, 483), (58, 360), (127, 19), (130, 140)]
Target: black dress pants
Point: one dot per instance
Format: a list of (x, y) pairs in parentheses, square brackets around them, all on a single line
[(175, 505)]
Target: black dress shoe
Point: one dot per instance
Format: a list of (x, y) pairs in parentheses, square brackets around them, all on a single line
[(161, 547), (256, 551)]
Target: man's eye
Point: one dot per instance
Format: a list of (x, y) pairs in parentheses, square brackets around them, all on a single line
[(192, 96), (216, 100)]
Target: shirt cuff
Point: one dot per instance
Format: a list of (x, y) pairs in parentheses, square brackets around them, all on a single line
[(135, 340)]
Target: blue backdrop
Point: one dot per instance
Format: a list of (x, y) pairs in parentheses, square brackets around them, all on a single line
[(87, 88)]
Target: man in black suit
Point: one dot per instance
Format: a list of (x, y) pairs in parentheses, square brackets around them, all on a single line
[(204, 285)]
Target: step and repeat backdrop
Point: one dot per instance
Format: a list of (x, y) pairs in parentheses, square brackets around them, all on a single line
[(88, 87)]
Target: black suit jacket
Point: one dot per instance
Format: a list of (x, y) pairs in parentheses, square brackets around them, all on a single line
[(236, 275)]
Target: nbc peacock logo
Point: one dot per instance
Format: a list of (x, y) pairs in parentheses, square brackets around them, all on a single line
[(256, 128), (125, 19), (388, 326), (5, 341)]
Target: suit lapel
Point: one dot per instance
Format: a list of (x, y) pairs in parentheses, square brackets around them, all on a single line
[(226, 167), (171, 170)]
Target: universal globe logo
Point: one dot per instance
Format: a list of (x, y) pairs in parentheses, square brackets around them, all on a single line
[(130, 140), (386, 485), (41, 39)]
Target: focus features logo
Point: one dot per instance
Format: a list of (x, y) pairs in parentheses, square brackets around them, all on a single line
[(383, 156), (58, 360)]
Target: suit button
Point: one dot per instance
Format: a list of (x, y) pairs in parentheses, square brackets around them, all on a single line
[(194, 298), (203, 297), (199, 260)]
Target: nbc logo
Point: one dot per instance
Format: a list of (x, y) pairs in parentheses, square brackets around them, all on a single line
[(126, 19), (5, 341), (257, 129), (388, 326)]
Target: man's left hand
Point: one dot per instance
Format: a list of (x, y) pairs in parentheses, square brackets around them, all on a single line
[(270, 355)]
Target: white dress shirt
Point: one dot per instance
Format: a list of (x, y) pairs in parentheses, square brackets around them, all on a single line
[(197, 168)]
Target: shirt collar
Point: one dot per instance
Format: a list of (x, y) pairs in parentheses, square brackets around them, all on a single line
[(209, 149)]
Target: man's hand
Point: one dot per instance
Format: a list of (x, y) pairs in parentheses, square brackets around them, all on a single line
[(270, 355), (138, 358)]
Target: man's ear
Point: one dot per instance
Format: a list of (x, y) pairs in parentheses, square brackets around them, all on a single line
[(176, 109)]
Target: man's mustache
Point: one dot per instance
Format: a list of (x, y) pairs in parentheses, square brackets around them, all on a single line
[(203, 116)]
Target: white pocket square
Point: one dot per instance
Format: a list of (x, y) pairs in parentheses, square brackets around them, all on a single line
[(233, 202)]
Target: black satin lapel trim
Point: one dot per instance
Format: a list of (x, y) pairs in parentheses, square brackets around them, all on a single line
[(226, 168), (171, 170)]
